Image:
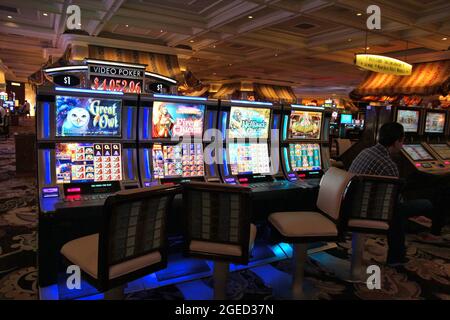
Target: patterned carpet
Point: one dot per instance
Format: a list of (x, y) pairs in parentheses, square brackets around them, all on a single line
[(426, 276)]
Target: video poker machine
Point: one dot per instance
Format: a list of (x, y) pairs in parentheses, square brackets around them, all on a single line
[(174, 132), (86, 143), (305, 150)]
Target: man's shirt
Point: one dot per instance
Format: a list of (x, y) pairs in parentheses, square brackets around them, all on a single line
[(374, 161)]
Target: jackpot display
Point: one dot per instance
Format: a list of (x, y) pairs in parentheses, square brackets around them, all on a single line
[(88, 162), (246, 158), (443, 150), (249, 123), (177, 120), (305, 157), (88, 117), (409, 119), (305, 125), (417, 152), (435, 122), (183, 160)]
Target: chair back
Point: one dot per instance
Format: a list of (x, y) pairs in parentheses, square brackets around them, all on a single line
[(373, 197), (332, 190), (218, 213), (134, 226), (343, 145)]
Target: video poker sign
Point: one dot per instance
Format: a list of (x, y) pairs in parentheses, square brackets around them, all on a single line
[(116, 78)]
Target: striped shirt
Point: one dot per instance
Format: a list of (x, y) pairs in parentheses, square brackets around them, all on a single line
[(374, 161)]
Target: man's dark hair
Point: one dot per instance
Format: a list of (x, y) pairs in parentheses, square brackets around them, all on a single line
[(390, 132)]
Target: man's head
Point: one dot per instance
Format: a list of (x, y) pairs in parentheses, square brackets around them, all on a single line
[(391, 136)]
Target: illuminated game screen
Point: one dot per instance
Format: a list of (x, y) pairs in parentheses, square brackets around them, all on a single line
[(346, 118), (247, 158), (409, 119), (417, 152), (88, 117), (249, 123), (443, 150), (183, 160), (177, 120), (88, 162), (305, 157), (435, 122), (305, 125)]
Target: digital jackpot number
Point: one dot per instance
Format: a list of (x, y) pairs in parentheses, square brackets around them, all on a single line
[(118, 85)]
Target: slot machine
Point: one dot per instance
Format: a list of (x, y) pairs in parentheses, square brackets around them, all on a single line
[(412, 121), (250, 132), (436, 126), (172, 140), (305, 143), (86, 151)]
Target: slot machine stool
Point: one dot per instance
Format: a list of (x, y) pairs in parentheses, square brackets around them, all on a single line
[(303, 227), (132, 241), (372, 201), (218, 227)]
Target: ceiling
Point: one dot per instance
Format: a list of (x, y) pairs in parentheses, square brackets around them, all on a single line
[(307, 44)]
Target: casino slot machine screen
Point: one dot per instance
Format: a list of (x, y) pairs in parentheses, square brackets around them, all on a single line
[(305, 125), (249, 159), (443, 150), (178, 161), (88, 162), (409, 119), (249, 123), (88, 117), (177, 120), (305, 157), (417, 152), (435, 122)]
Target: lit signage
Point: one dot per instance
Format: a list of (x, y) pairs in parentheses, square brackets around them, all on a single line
[(116, 77), (383, 64), (66, 80)]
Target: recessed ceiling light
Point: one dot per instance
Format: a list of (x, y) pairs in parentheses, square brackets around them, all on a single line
[(9, 17), (126, 25), (162, 30), (359, 14), (349, 40), (250, 17), (368, 48), (214, 73), (276, 54), (191, 41), (45, 14), (444, 39), (230, 64), (214, 46)]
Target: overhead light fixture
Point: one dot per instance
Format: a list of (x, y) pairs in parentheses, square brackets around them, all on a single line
[(126, 25), (9, 17), (162, 30), (250, 17), (383, 64), (349, 40), (359, 14), (16, 84), (276, 54), (45, 14), (444, 39), (191, 41), (214, 46)]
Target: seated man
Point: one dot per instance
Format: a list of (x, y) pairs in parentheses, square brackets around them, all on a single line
[(377, 160)]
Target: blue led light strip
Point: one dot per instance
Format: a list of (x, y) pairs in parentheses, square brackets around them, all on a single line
[(129, 122), (224, 125), (252, 102), (145, 125), (288, 168), (285, 125), (148, 174), (46, 119), (130, 164), (225, 163), (307, 107), (89, 91), (275, 121), (167, 96), (47, 166)]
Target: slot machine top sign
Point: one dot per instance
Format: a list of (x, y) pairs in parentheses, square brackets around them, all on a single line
[(119, 77)]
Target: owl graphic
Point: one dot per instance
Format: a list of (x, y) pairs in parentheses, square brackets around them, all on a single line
[(76, 122)]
